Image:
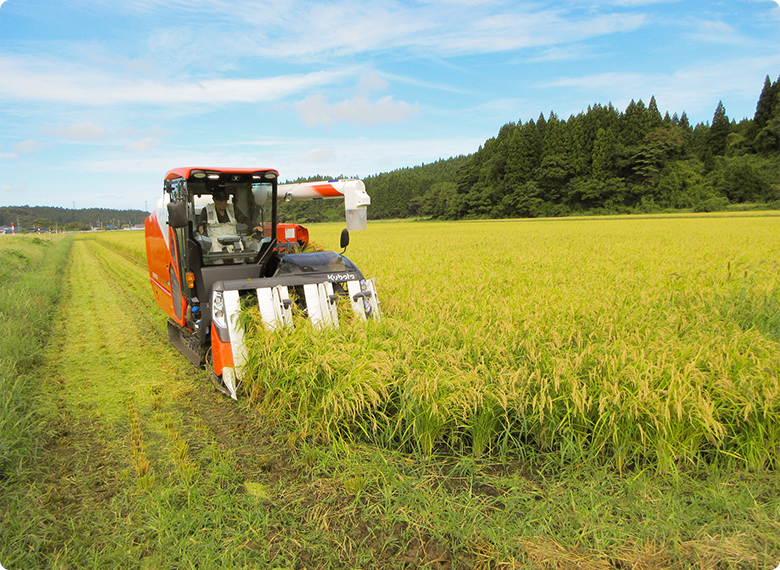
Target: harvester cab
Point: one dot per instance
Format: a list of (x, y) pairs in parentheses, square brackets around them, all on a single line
[(214, 240)]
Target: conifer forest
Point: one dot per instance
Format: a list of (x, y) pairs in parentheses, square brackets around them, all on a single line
[(600, 161)]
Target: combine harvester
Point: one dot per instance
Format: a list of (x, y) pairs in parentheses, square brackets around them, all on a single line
[(201, 266)]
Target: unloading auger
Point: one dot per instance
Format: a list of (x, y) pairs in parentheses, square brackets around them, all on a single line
[(214, 239)]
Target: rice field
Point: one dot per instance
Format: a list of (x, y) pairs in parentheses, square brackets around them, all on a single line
[(624, 341), (533, 350), (628, 341)]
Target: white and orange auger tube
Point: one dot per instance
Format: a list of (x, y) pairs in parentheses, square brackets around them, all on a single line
[(356, 200)]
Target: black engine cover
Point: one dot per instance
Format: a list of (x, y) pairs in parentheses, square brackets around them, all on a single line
[(336, 268)]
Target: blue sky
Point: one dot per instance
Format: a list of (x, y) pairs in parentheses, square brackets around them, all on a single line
[(98, 98)]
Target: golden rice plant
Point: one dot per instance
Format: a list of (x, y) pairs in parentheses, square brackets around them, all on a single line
[(629, 341)]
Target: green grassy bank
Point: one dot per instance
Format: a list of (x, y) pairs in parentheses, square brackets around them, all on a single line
[(31, 279)]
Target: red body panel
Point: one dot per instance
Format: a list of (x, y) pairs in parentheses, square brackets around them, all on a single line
[(221, 352), (158, 258), (292, 233), (160, 261), (184, 172)]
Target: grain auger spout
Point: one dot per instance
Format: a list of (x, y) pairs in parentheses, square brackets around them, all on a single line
[(214, 241), (356, 200)]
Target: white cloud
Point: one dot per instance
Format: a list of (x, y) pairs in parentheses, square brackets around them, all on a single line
[(312, 30), (28, 146), (80, 131), (321, 31), (34, 79), (309, 30), (693, 90), (8, 156), (505, 32), (319, 155), (495, 28), (157, 132), (315, 111), (143, 145), (718, 32), (369, 82), (571, 52), (15, 188), (641, 2)]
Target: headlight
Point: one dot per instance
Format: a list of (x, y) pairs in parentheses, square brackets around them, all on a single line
[(218, 310)]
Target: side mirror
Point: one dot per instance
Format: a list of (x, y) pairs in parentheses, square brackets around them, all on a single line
[(260, 194), (177, 214), (344, 238)]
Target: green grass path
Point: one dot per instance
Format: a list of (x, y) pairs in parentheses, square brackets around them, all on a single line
[(113, 347)]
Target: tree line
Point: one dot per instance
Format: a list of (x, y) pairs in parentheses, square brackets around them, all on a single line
[(48, 217), (599, 161), (604, 160)]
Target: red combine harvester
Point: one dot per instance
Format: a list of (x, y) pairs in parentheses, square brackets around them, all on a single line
[(214, 239)]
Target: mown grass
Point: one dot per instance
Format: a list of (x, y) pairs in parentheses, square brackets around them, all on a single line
[(626, 342), (128, 242)]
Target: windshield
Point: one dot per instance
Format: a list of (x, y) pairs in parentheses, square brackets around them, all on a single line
[(232, 221)]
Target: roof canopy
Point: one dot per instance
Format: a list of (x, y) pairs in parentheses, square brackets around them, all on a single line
[(186, 171)]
